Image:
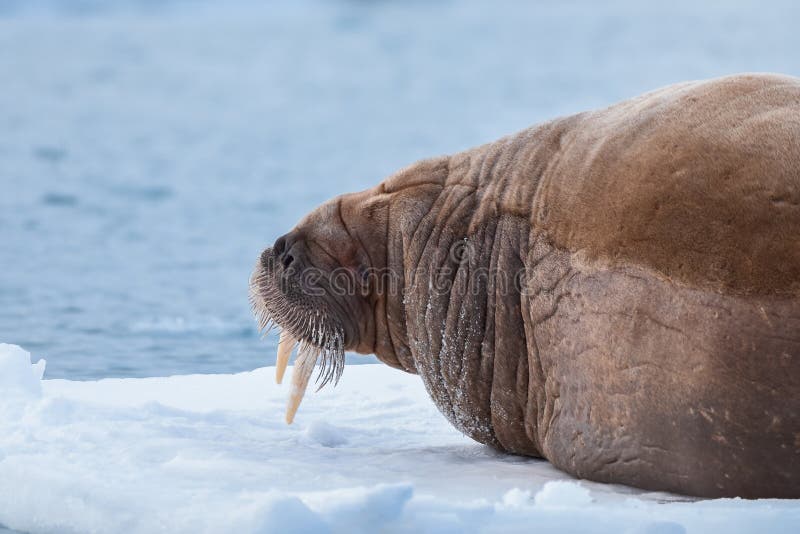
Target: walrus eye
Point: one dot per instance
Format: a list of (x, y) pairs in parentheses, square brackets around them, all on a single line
[(363, 279), (363, 274)]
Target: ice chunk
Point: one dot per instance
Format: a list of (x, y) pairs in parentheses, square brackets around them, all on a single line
[(17, 375), (363, 509), (286, 514), (517, 498), (562, 493), (324, 434)]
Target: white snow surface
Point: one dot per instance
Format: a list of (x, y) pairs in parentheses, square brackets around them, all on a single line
[(211, 453)]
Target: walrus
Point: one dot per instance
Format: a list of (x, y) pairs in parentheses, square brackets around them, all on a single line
[(616, 291)]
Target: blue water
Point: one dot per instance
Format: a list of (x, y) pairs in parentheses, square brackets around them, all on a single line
[(149, 151)]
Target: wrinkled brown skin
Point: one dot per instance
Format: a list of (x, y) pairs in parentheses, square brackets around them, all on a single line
[(656, 342)]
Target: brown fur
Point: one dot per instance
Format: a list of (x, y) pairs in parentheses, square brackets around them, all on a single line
[(652, 337)]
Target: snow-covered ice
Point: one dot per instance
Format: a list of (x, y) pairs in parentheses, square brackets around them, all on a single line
[(211, 453)]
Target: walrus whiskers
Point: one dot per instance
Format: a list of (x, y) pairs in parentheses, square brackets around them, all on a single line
[(319, 339)]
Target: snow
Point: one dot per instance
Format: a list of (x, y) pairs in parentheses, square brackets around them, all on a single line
[(211, 453), (562, 494)]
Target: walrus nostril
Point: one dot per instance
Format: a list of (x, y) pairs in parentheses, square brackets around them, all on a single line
[(287, 260), (279, 246)]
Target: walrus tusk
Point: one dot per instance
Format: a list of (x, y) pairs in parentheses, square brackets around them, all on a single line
[(303, 367), (286, 344)]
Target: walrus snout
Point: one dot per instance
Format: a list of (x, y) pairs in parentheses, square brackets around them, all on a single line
[(306, 314), (287, 250), (307, 284)]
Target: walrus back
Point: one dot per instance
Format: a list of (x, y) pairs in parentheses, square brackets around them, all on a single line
[(699, 182)]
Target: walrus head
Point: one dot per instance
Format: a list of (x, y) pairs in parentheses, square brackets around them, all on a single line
[(336, 281), (316, 283)]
